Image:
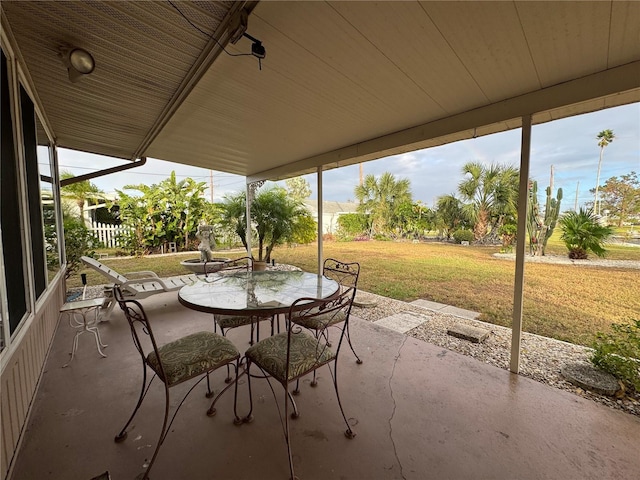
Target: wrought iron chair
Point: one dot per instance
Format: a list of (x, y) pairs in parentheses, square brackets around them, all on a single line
[(227, 322), (288, 356), (195, 355), (346, 274)]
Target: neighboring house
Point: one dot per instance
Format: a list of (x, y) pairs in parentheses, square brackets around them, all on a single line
[(331, 211)]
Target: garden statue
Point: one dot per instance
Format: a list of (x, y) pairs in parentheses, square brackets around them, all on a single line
[(207, 242)]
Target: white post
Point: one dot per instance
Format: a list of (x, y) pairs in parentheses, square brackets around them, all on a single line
[(320, 218), (523, 199), (249, 199)]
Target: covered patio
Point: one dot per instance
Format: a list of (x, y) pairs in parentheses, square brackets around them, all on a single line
[(419, 412), (341, 83)]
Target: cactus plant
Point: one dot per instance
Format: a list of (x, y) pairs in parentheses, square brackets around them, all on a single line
[(539, 227)]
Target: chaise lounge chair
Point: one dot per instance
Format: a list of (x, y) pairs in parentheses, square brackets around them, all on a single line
[(138, 285)]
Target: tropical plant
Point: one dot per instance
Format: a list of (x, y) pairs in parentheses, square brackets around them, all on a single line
[(166, 212), (621, 197), (78, 241), (618, 352), (450, 215), (414, 220), (80, 192), (298, 188), (277, 219), (380, 198), (351, 225), (582, 233), (605, 137), (540, 227), (463, 236), (493, 195)]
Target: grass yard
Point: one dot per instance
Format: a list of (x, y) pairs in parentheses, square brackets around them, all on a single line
[(566, 302)]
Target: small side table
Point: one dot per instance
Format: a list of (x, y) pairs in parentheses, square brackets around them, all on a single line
[(83, 316)]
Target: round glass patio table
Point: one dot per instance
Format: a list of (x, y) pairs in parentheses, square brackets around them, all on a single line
[(255, 293)]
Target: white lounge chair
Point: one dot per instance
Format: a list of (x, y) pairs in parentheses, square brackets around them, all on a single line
[(136, 285)]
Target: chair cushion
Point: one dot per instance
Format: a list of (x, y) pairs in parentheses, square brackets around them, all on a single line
[(322, 321), (307, 354), (193, 355), (232, 321)]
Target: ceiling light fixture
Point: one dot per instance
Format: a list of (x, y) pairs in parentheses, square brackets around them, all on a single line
[(78, 61)]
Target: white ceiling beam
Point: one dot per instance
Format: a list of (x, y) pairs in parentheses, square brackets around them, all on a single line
[(607, 82)]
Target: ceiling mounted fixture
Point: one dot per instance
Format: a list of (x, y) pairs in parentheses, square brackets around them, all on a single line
[(257, 49), (237, 26), (78, 61)]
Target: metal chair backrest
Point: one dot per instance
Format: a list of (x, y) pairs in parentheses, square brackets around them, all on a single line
[(325, 310), (239, 264), (140, 327), (346, 274)]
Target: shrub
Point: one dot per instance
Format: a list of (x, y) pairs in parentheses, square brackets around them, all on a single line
[(463, 236), (582, 233), (618, 353), (509, 232), (352, 225), (78, 241)]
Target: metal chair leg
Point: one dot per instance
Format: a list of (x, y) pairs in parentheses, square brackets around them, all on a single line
[(349, 433), (249, 417), (358, 360), (143, 392), (286, 430), (163, 434)]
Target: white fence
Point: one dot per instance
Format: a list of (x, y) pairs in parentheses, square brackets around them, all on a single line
[(108, 234)]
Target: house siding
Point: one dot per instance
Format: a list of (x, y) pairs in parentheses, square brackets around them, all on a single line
[(22, 370)]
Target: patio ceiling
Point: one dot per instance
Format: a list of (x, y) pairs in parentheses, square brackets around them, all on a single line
[(342, 82)]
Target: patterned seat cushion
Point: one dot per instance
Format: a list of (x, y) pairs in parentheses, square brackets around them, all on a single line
[(192, 355), (307, 354), (232, 321), (321, 321)]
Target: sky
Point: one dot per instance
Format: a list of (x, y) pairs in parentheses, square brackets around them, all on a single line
[(570, 145)]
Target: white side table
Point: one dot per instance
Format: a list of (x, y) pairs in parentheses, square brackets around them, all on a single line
[(83, 316)]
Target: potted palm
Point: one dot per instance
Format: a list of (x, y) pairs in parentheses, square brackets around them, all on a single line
[(276, 217)]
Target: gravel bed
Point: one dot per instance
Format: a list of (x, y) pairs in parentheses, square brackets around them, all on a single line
[(565, 260), (541, 358)]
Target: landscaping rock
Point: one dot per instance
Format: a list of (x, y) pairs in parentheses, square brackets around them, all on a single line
[(587, 376), (467, 332), (363, 300)]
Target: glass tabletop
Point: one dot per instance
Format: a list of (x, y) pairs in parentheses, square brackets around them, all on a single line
[(267, 292)]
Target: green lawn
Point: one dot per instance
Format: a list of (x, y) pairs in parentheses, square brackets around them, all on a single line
[(566, 302)]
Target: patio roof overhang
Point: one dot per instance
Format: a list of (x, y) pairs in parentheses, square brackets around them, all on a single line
[(342, 82)]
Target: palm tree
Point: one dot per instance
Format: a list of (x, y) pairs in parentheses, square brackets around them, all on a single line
[(582, 233), (604, 138), (380, 199), (493, 193), (80, 192), (277, 218), (449, 214)]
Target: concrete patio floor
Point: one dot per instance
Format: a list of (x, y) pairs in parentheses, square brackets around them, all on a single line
[(419, 412)]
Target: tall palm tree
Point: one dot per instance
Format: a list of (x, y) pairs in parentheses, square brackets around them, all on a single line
[(380, 198), (604, 138)]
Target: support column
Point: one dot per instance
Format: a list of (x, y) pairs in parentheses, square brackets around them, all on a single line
[(250, 195), (523, 199), (320, 218)]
